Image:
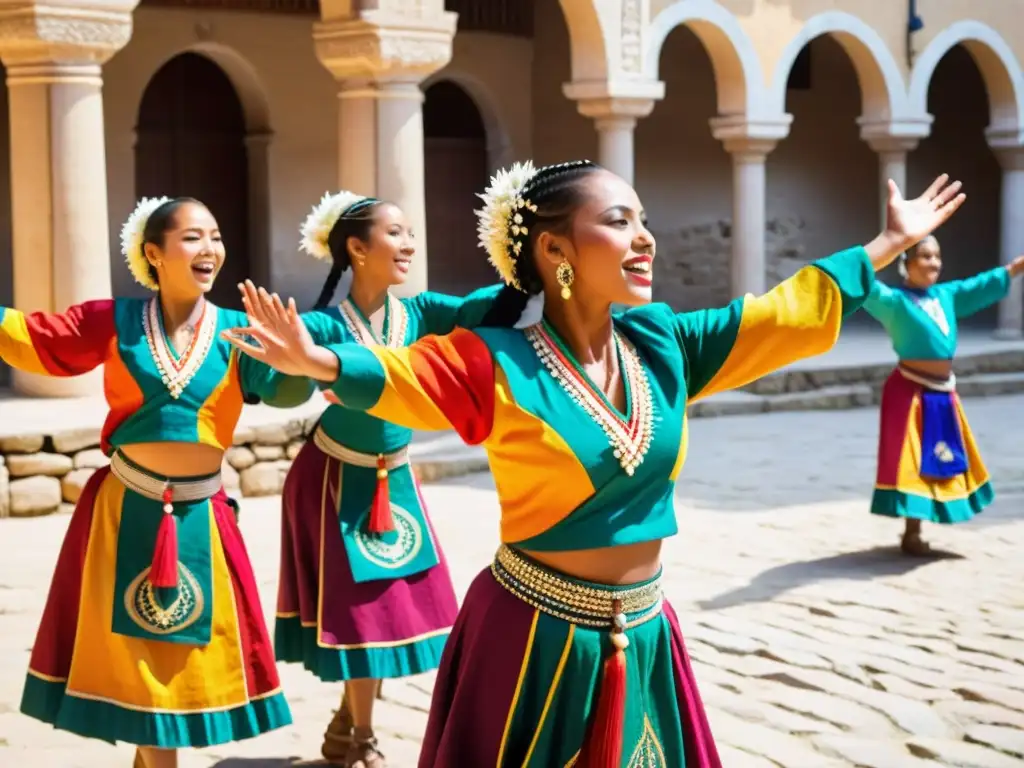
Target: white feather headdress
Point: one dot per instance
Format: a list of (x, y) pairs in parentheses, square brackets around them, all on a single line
[(500, 221), (132, 245), (318, 225)]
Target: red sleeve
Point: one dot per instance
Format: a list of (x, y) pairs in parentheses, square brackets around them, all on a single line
[(58, 344)]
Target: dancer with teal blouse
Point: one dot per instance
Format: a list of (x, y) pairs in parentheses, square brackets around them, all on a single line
[(929, 466), (365, 592), (566, 652)]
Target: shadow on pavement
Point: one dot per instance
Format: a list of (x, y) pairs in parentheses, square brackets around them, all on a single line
[(863, 565), (267, 762)]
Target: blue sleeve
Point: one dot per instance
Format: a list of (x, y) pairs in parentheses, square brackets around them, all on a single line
[(441, 314), (975, 293)]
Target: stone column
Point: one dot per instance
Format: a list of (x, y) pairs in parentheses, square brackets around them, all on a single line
[(379, 59), (749, 144), (1011, 238), (892, 164), (615, 117), (60, 236)]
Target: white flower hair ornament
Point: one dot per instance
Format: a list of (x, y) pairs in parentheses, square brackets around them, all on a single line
[(132, 241), (316, 229), (500, 221)]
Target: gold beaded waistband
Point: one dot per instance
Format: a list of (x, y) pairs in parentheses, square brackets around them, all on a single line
[(336, 450), (141, 482), (583, 603)]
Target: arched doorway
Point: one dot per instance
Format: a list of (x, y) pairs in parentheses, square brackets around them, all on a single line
[(958, 99), (6, 224), (455, 170), (191, 141)]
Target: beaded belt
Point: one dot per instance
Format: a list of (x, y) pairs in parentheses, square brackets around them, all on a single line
[(588, 605), (591, 605), (936, 385), (336, 450), (157, 488)]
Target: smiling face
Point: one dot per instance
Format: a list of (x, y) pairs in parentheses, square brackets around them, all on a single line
[(608, 244), (190, 252), (385, 255), (924, 264)]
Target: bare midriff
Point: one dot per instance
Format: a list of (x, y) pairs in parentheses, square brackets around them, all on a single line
[(939, 370), (626, 564), (175, 459)]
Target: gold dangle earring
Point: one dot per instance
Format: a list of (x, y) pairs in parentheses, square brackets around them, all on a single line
[(565, 275)]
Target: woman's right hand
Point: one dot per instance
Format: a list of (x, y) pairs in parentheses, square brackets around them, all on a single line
[(284, 342)]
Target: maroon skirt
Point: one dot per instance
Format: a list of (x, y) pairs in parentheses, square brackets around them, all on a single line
[(518, 687), (336, 627)]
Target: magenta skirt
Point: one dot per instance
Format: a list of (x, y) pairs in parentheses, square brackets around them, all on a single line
[(337, 628)]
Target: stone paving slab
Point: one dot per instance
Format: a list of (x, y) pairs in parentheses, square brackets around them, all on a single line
[(815, 642)]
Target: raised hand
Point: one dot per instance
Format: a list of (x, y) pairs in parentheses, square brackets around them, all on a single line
[(908, 221), (1016, 267), (283, 341)]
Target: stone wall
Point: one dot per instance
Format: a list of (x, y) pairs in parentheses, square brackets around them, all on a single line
[(692, 268), (45, 472)]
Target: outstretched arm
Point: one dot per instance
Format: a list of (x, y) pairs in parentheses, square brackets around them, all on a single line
[(68, 343), (438, 383), (734, 345), (754, 336), (983, 290)]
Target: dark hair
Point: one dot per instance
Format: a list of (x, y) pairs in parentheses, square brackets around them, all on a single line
[(160, 222), (356, 222), (556, 192)]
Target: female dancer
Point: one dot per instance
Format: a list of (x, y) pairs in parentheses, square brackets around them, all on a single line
[(929, 467), (364, 592), (153, 632), (583, 418)]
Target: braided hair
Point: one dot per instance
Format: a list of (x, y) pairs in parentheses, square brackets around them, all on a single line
[(356, 221), (556, 193)]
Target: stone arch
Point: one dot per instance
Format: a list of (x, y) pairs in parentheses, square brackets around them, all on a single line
[(256, 113), (500, 146), (737, 68), (588, 48), (456, 169), (883, 93), (999, 68)]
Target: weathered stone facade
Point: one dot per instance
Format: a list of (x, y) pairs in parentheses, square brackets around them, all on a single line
[(693, 264)]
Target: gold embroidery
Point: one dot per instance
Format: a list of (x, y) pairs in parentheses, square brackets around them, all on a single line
[(142, 603), (647, 754)]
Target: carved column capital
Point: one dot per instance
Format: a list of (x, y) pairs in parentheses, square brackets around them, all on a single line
[(369, 48), (751, 140), (32, 34), (1008, 147)]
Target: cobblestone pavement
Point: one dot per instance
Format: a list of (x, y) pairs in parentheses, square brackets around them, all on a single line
[(816, 644)]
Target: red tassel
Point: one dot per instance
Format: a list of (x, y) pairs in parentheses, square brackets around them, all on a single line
[(603, 748), (164, 570), (380, 513)]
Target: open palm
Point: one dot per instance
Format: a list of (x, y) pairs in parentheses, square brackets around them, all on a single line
[(284, 342), (908, 221)]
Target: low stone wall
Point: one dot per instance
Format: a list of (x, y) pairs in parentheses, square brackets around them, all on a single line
[(45, 472)]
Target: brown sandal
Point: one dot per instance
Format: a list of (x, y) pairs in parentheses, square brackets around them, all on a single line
[(365, 754), (338, 736), (139, 762)]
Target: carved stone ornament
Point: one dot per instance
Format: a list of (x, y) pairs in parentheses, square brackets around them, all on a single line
[(35, 33), (632, 36), (358, 50)]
